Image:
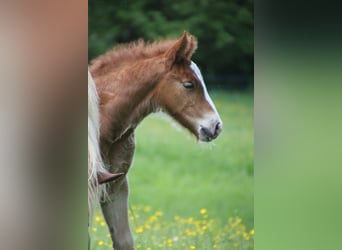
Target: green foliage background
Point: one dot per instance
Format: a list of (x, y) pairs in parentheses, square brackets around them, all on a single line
[(224, 29)]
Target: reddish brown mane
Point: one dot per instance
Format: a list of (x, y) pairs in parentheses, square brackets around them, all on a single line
[(127, 53)]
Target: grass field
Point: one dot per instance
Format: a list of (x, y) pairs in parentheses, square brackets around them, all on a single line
[(189, 195)]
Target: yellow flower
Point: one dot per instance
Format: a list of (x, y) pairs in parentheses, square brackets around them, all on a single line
[(153, 218), (245, 235), (100, 242), (148, 248), (203, 211), (159, 213), (103, 224), (169, 242), (236, 222), (192, 247), (139, 230), (94, 229), (190, 233), (97, 218)]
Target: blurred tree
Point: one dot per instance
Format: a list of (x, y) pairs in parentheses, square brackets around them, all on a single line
[(224, 28)]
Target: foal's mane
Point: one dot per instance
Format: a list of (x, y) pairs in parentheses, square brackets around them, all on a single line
[(127, 53)]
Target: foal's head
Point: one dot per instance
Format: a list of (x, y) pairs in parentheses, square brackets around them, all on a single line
[(182, 92)]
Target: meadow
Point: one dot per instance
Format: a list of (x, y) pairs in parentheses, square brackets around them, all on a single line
[(190, 195)]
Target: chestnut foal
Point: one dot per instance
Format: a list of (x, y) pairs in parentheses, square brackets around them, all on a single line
[(133, 81)]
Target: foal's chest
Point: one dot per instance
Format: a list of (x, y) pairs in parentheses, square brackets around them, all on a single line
[(118, 156)]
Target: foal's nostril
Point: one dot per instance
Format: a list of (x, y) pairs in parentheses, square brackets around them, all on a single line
[(218, 128)]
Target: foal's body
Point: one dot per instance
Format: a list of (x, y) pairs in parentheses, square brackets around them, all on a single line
[(132, 82)]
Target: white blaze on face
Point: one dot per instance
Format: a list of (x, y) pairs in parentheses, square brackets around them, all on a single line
[(209, 123)]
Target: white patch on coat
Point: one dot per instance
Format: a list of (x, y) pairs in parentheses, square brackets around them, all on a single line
[(198, 73), (209, 120)]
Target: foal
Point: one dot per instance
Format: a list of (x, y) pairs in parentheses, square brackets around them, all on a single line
[(133, 81)]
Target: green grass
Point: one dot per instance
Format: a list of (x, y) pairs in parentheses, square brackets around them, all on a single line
[(174, 174)]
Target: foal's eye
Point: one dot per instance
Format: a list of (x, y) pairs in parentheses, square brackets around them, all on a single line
[(188, 85)]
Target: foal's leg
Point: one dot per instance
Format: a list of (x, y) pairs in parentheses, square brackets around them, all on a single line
[(115, 212)]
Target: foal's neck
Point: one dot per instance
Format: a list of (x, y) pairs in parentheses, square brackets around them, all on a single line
[(130, 97)]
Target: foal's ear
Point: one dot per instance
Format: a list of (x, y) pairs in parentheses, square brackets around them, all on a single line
[(182, 50)]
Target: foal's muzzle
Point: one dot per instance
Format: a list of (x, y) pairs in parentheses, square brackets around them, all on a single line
[(210, 133)]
